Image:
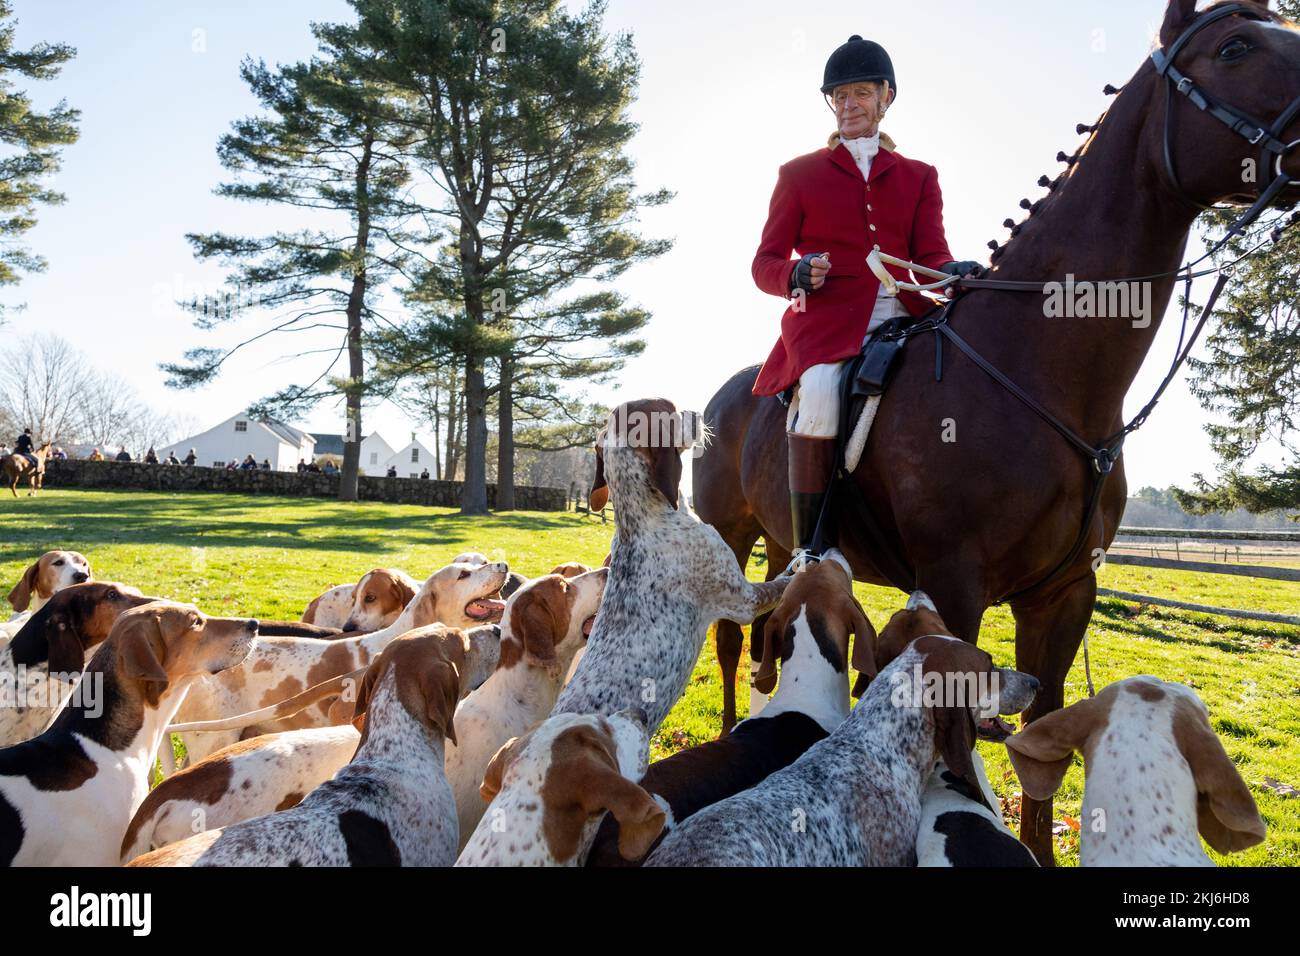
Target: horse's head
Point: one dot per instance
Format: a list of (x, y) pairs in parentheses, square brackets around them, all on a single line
[(1221, 78)]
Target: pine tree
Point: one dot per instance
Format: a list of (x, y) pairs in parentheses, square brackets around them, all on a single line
[(1251, 375), (523, 107), (32, 140), (323, 144)]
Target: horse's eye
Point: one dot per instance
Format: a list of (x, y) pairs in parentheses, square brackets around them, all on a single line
[(1234, 49)]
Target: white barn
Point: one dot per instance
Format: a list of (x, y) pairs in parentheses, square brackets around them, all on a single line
[(240, 436)]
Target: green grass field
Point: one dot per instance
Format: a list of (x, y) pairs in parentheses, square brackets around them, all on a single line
[(267, 557)]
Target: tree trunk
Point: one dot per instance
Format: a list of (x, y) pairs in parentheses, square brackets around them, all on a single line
[(356, 300), (453, 426), (473, 499), (506, 437)]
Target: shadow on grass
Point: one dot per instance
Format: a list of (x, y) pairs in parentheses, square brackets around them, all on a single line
[(206, 520), (1231, 638)]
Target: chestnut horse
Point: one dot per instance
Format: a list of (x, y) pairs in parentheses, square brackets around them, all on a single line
[(974, 491), (16, 466)]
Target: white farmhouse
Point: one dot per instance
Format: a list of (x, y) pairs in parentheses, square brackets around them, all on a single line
[(240, 436), (410, 460)]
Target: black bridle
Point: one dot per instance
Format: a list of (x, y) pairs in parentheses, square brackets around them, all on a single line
[(1104, 455), (1267, 138)]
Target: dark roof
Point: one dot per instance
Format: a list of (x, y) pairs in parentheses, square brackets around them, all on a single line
[(329, 444)]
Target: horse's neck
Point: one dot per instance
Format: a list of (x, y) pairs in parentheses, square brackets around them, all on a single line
[(1109, 218)]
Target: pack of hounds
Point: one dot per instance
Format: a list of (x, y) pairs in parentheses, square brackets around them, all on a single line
[(479, 718)]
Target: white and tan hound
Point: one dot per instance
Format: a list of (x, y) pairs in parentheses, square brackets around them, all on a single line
[(67, 796), (1154, 774), (391, 806), (544, 625), (550, 788)]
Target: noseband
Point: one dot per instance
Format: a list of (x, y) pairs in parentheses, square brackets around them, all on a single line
[(1272, 149)]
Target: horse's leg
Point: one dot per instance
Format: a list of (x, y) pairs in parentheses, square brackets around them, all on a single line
[(1047, 639), (958, 596), (727, 635)]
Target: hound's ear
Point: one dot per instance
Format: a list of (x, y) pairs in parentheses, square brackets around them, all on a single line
[(599, 489), (363, 698), (141, 652), (1226, 813), (666, 465), (954, 732), (586, 781), (21, 596), (440, 685), (67, 653), (496, 768), (864, 647), (1042, 752), (403, 591), (764, 679), (1178, 15), (640, 818)]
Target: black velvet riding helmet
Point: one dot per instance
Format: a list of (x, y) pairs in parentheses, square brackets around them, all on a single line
[(858, 61)]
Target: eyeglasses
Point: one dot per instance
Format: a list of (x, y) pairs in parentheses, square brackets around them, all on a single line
[(838, 99)]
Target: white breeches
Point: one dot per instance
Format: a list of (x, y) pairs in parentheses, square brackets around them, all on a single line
[(815, 409)]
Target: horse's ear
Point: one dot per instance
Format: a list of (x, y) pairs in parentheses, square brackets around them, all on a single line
[(1178, 15)]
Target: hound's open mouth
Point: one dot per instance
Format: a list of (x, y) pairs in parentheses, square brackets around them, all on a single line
[(994, 729), (485, 609), (587, 625)]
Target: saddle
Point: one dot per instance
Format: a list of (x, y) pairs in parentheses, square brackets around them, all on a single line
[(862, 383)]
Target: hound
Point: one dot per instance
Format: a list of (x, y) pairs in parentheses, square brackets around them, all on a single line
[(67, 796), (670, 577), (809, 633), (273, 772), (1154, 774), (962, 825), (549, 789), (330, 608), (50, 573), (278, 668), (371, 604), (41, 664), (854, 799), (390, 806), (544, 625)]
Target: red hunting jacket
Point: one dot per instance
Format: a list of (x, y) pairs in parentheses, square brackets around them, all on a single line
[(822, 204)]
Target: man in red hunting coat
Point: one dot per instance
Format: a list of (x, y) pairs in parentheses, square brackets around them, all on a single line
[(830, 208)]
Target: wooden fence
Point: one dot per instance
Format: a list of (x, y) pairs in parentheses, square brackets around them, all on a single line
[(1230, 552)]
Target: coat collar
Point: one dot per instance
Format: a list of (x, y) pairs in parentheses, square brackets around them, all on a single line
[(881, 164)]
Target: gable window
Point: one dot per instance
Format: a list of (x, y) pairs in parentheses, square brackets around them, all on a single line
[(374, 458), (241, 426), (415, 454)]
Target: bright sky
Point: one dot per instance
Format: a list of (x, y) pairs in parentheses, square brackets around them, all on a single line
[(729, 92)]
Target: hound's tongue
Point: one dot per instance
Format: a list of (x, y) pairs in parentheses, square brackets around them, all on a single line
[(587, 625), (994, 728), (485, 609)]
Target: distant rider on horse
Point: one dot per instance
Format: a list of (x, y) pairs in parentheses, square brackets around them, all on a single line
[(832, 207), (25, 447)]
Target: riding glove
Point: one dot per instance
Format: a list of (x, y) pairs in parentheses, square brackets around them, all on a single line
[(801, 276)]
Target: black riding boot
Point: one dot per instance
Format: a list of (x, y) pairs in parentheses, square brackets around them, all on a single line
[(812, 463)]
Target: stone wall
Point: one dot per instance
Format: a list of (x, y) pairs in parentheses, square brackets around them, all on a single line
[(410, 491)]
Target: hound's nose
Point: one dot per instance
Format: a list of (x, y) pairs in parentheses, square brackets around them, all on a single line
[(81, 577), (251, 625), (349, 626)]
